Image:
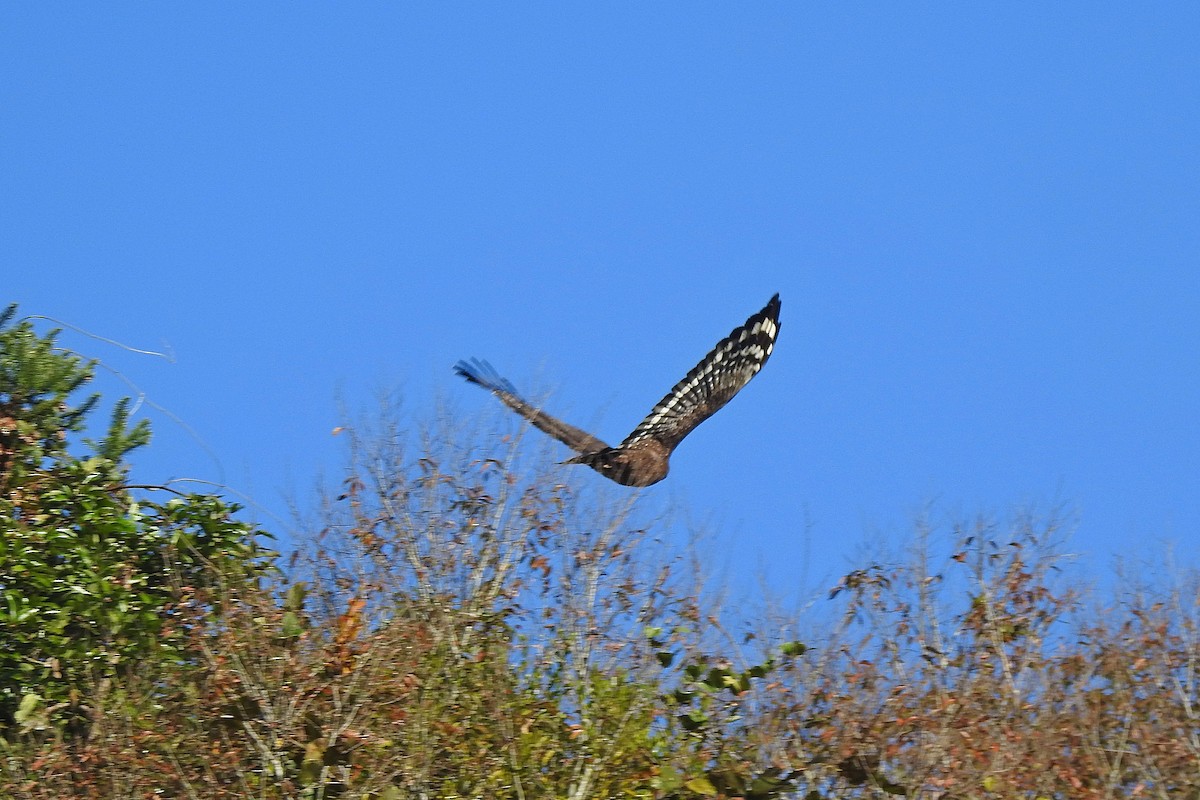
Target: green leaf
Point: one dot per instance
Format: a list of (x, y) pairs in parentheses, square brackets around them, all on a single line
[(296, 594), (718, 678), (31, 715), (701, 785), (760, 670), (793, 649), (291, 625), (668, 779)]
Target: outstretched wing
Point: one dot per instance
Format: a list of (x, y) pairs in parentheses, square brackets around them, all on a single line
[(713, 382), (483, 374)]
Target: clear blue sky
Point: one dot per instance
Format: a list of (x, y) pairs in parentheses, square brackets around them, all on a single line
[(984, 221)]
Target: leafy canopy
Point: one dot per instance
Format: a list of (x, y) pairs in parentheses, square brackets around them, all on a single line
[(91, 576)]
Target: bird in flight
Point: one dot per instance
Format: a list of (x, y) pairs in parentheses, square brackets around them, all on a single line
[(642, 459)]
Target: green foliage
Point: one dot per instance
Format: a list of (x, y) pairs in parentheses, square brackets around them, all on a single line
[(708, 705), (457, 628), (91, 578), (36, 383)]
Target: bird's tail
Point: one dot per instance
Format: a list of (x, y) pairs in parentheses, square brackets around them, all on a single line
[(484, 374)]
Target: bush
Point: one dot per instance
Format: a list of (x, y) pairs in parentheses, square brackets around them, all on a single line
[(453, 624), (92, 578)]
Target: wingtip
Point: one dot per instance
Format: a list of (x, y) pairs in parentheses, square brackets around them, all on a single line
[(771, 309)]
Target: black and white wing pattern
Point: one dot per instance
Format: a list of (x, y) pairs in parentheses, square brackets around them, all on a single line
[(713, 382), (643, 458)]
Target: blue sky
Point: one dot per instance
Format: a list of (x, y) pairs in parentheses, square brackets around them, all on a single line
[(984, 221)]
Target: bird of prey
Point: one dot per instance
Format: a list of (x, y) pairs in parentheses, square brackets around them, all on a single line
[(642, 459)]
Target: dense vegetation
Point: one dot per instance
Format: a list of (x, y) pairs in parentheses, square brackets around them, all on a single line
[(454, 625)]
